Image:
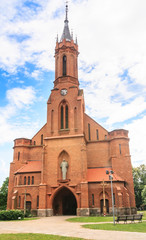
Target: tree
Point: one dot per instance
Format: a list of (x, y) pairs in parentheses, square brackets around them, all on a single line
[(139, 178), (3, 194), (144, 195)]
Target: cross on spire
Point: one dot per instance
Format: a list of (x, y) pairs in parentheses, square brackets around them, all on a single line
[(66, 19)]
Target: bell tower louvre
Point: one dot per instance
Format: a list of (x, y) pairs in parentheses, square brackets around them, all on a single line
[(62, 169)]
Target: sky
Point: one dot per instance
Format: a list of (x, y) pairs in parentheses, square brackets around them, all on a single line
[(112, 67)]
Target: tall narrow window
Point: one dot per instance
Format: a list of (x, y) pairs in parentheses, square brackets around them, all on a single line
[(89, 136), (64, 65), (97, 135), (42, 139), (19, 204), (32, 180), (62, 117), (37, 201), (56, 73), (24, 180), (20, 180), (120, 148), (34, 142), (75, 117), (105, 137), (114, 198), (92, 199), (29, 180), (52, 115), (18, 156), (66, 116)]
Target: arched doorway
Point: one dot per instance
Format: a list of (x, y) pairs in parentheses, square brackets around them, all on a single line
[(28, 205), (64, 202), (106, 204)]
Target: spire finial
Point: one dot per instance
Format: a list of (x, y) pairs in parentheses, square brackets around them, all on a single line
[(66, 19)]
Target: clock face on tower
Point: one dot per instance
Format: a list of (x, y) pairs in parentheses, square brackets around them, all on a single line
[(63, 91)]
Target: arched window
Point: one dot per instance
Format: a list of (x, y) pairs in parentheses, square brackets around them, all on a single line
[(52, 120), (57, 67), (64, 65), (64, 115), (75, 117), (62, 118)]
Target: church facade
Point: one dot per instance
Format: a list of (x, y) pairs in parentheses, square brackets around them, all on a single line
[(62, 169)]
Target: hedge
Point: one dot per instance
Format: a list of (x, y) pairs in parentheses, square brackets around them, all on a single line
[(11, 215)]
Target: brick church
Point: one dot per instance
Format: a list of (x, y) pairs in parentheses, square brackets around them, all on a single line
[(62, 169)]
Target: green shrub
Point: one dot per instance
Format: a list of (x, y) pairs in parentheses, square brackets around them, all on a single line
[(11, 215), (27, 214)]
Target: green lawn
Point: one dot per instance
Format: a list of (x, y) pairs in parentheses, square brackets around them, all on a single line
[(31, 236), (129, 227), (91, 219), (144, 214), (99, 218)]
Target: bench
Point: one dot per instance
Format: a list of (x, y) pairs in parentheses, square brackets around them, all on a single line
[(132, 218)]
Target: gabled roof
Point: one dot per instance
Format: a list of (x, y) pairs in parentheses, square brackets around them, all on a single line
[(31, 166), (99, 174)]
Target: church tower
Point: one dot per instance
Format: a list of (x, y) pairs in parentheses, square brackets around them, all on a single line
[(68, 117), (62, 169), (66, 57)]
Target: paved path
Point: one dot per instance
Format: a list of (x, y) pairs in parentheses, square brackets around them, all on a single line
[(58, 226)]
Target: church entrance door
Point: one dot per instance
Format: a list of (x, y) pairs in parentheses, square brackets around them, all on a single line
[(106, 204), (64, 203)]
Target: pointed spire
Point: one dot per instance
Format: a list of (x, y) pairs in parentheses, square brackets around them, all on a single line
[(57, 38), (71, 33), (76, 40), (66, 33)]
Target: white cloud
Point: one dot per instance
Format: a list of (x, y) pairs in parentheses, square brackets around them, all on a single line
[(137, 136), (20, 97), (18, 100)]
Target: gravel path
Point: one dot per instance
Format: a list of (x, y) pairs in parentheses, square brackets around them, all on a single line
[(58, 226)]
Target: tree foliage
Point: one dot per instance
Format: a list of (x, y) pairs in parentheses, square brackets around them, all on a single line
[(139, 178), (144, 195), (3, 194)]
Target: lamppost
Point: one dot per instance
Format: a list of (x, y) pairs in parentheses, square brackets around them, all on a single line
[(111, 178)]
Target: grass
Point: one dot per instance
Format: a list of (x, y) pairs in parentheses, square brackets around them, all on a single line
[(32, 236), (91, 219), (130, 227), (99, 218), (144, 214)]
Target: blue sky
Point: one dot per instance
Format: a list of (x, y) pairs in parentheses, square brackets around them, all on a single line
[(112, 61)]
